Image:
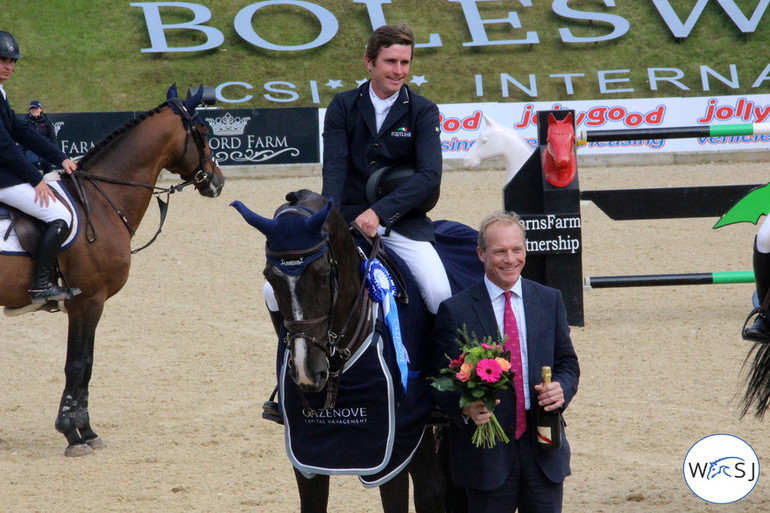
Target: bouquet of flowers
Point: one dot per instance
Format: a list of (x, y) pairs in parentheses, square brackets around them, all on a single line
[(482, 369)]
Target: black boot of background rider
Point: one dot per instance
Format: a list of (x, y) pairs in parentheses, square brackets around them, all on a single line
[(43, 289), (277, 320), (760, 330), (270, 408)]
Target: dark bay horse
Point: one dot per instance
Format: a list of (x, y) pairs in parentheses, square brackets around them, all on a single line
[(113, 186), (314, 267)]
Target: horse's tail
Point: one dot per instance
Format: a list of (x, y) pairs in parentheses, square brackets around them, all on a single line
[(757, 392)]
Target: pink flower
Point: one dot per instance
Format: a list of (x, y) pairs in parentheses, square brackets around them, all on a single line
[(505, 365), (455, 364), (488, 370), (486, 346), (465, 372)]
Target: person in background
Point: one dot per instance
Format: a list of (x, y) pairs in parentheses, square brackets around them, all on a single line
[(517, 475), (37, 119), (21, 185)]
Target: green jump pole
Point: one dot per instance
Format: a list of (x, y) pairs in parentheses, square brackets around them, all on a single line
[(636, 134), (652, 280)]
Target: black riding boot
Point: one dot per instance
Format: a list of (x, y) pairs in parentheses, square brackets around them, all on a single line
[(43, 289), (270, 408), (760, 330), (277, 320)]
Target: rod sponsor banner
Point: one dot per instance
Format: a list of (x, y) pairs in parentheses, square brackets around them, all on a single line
[(237, 136), (461, 124)]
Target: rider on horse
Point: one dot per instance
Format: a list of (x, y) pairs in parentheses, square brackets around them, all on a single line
[(22, 187)]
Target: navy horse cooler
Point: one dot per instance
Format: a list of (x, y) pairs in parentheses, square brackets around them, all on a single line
[(375, 426)]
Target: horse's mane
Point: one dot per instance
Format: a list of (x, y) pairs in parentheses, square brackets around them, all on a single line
[(117, 133), (306, 198)]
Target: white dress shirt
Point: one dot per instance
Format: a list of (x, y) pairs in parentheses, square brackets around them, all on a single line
[(381, 107)]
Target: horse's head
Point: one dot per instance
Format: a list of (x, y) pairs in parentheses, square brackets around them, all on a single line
[(560, 164), (301, 269), (496, 140), (489, 144), (196, 163)]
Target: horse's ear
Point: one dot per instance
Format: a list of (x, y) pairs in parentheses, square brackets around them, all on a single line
[(551, 119), (315, 223), (171, 92), (568, 118), (194, 100), (263, 224), (489, 121)]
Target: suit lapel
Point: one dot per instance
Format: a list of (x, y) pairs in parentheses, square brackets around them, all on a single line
[(532, 312), (5, 112), (482, 305), (366, 108)]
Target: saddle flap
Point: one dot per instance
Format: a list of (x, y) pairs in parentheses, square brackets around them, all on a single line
[(28, 230)]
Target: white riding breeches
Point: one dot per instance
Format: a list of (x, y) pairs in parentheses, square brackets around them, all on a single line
[(22, 197), (423, 262), (425, 265)]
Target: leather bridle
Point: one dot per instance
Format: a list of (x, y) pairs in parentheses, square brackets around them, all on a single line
[(201, 178), (338, 346)]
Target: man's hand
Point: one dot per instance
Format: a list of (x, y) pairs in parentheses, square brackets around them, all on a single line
[(69, 166), (368, 221), (551, 396), (478, 412), (44, 194)]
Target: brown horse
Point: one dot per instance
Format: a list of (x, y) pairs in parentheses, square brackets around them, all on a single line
[(113, 187)]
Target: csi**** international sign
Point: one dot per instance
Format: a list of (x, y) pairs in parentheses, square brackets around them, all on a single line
[(237, 137), (552, 234)]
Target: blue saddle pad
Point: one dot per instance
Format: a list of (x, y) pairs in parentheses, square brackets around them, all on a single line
[(456, 246)]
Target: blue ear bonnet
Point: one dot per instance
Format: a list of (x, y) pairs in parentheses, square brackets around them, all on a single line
[(295, 237)]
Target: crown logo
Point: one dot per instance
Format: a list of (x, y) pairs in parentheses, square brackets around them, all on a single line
[(228, 124)]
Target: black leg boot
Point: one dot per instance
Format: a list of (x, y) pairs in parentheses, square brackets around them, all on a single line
[(43, 289), (270, 408), (760, 330)]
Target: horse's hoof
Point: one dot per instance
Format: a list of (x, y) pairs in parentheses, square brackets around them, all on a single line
[(96, 443), (73, 451)]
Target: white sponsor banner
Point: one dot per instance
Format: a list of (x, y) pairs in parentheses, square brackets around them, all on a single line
[(461, 124)]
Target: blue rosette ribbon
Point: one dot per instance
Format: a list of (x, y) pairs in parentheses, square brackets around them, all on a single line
[(383, 290)]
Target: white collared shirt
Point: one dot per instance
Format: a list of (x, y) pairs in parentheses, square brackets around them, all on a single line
[(381, 107), (5, 97), (517, 303)]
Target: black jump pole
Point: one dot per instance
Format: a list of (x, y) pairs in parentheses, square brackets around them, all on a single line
[(653, 280)]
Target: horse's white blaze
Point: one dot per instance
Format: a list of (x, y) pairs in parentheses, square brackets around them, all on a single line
[(300, 343)]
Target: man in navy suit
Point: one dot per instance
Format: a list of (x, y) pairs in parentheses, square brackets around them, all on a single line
[(383, 123), (23, 187), (518, 474)]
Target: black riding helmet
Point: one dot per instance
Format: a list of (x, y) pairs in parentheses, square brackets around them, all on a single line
[(9, 47)]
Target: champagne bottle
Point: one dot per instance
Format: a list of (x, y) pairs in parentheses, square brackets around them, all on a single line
[(548, 422)]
